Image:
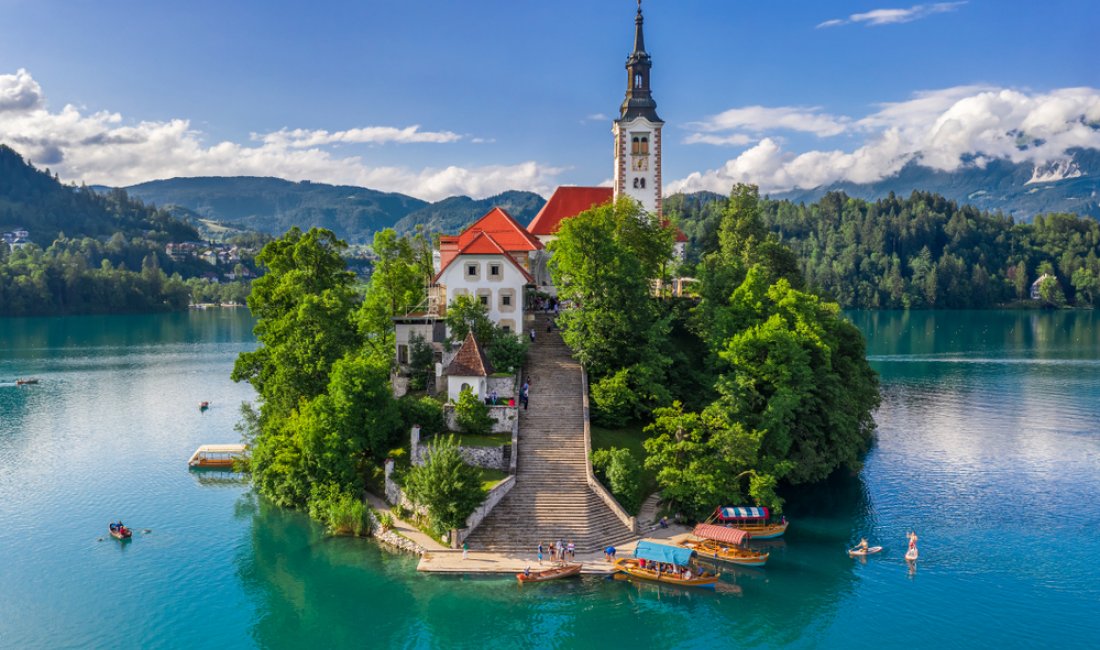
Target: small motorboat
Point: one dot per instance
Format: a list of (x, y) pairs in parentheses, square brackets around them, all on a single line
[(858, 552), (204, 405), (564, 571), (118, 531), (26, 382)]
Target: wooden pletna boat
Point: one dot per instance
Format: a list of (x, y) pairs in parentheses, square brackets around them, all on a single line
[(725, 545), (118, 531), (665, 564), (563, 571), (26, 382), (216, 456), (753, 520), (204, 405)]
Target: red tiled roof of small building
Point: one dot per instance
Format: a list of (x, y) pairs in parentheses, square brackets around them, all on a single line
[(484, 244), (567, 202), (470, 360), (505, 230)]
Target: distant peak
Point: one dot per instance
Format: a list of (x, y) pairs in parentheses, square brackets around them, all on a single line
[(1055, 170)]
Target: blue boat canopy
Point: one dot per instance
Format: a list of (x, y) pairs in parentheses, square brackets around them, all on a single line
[(652, 552), (742, 512)]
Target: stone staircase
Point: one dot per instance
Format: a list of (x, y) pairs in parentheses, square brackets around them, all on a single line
[(551, 499)]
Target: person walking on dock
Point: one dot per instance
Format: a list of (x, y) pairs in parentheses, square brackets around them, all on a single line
[(540, 553), (465, 550)]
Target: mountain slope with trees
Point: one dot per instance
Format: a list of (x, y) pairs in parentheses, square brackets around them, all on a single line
[(923, 251), (274, 205), (39, 203)]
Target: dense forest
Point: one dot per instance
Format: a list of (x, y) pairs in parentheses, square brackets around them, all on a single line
[(92, 253), (921, 252)]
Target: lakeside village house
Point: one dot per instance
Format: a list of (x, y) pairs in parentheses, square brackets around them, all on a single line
[(17, 238), (504, 263)]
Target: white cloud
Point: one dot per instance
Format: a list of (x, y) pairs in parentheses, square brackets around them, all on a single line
[(943, 129), (733, 139), (595, 117), (19, 92), (877, 17), (104, 148), (304, 138), (758, 119)]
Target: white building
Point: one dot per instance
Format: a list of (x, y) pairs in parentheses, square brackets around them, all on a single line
[(492, 259), (469, 369)]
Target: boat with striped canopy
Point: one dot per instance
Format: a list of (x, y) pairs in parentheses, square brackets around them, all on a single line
[(672, 565), (724, 544), (752, 519)]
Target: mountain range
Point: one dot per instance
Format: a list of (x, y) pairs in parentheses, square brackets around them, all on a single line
[(1021, 190), (274, 205)]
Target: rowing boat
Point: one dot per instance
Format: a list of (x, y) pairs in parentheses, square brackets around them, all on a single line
[(650, 557), (725, 545), (563, 571), (630, 566), (751, 519)]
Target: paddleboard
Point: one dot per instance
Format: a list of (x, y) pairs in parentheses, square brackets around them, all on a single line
[(871, 550), (911, 555)]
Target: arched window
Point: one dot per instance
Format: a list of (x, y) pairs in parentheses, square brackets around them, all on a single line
[(641, 182), (638, 81), (635, 145), (643, 146), (635, 183)]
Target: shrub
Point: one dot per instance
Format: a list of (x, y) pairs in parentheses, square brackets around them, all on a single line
[(385, 520), (449, 487), (425, 411), (506, 351), (472, 414), (343, 513), (621, 472)]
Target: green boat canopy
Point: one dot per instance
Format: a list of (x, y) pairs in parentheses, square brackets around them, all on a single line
[(653, 552)]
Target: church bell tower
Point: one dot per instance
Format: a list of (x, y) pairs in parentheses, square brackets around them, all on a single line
[(638, 131)]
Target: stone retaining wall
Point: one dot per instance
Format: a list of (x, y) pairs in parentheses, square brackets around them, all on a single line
[(504, 418), (474, 520), (487, 457)]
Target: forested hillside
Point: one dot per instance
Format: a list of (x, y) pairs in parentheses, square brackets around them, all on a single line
[(923, 251), (273, 206), (455, 213), (92, 253), (37, 202)]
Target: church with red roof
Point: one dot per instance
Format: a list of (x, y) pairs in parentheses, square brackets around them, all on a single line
[(501, 262)]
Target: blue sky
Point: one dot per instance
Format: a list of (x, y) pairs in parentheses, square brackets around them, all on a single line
[(438, 98)]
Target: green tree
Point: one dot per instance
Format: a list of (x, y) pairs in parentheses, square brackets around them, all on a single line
[(303, 307), (1050, 291), (472, 414), (622, 473), (397, 285), (605, 263), (449, 487)]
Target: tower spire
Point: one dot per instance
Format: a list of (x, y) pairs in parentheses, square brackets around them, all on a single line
[(639, 99)]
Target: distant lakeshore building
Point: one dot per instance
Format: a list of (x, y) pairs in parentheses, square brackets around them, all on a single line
[(502, 263)]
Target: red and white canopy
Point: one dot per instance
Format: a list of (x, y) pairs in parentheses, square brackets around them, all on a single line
[(721, 533)]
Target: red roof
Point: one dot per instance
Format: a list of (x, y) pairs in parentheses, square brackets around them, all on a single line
[(565, 203), (482, 243), (505, 231), (470, 360), (720, 533)]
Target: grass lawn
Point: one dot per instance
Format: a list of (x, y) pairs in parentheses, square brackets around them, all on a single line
[(629, 437), (491, 440), (490, 477)]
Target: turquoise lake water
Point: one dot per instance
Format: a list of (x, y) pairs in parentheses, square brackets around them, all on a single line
[(989, 447)]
